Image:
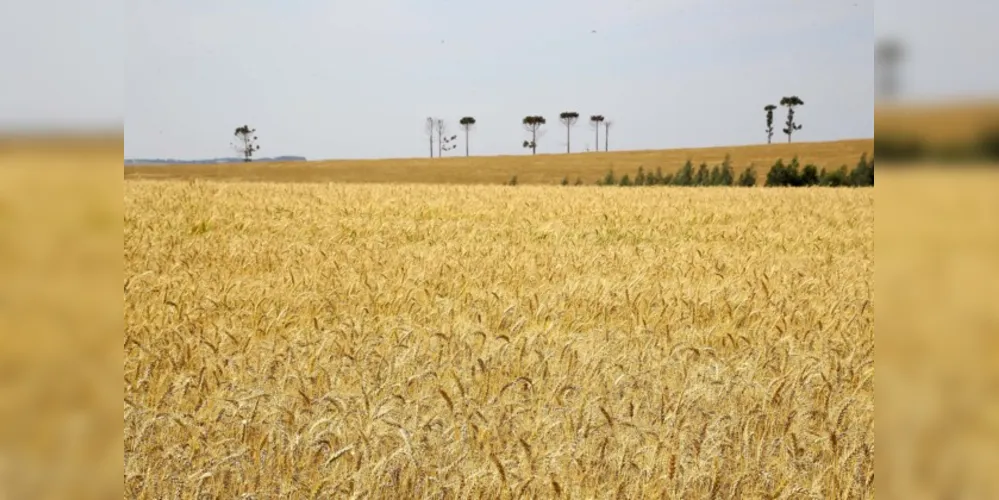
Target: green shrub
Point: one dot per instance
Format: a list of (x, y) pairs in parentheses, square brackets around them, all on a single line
[(777, 176), (715, 177), (640, 176), (836, 178), (650, 180), (703, 175), (625, 181), (810, 175), (748, 177), (727, 177), (863, 173), (685, 176), (794, 173), (784, 175), (608, 179)]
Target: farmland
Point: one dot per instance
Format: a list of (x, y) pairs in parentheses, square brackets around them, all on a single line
[(529, 169), (407, 341)]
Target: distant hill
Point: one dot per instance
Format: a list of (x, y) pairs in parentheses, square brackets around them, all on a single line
[(170, 161), (530, 169)]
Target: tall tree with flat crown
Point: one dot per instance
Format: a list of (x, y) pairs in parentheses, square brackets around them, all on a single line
[(533, 125), (466, 124), (790, 103), (769, 108), (595, 122), (246, 142), (568, 118)]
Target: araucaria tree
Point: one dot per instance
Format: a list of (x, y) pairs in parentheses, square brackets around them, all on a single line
[(790, 103), (595, 122), (568, 118), (466, 124), (246, 142), (533, 125), (769, 108)]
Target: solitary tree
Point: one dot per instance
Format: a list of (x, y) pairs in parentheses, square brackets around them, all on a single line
[(607, 126), (769, 108), (466, 124), (595, 121), (568, 118), (246, 142), (790, 103), (533, 125), (429, 130)]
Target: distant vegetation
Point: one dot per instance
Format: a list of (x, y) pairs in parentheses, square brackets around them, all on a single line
[(171, 161), (780, 174), (550, 169), (246, 142)]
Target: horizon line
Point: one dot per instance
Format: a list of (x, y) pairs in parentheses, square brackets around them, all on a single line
[(459, 156)]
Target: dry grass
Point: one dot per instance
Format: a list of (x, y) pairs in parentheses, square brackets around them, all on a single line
[(540, 169), (379, 341)]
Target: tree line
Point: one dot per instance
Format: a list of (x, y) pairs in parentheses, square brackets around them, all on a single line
[(534, 125), (790, 126), (437, 132), (441, 140), (781, 174)]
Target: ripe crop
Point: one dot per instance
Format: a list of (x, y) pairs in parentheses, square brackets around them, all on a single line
[(427, 341)]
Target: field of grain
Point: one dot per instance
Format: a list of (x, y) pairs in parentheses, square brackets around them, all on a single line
[(415, 341), (60, 317), (540, 169)]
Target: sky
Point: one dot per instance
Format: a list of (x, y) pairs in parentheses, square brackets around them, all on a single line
[(339, 79)]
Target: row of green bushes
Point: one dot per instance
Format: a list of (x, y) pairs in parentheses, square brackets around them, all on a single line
[(719, 175), (793, 175), (780, 174)]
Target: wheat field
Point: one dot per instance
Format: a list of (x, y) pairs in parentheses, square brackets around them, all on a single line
[(431, 341)]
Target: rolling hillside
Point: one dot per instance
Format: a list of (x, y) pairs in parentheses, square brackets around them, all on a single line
[(540, 169)]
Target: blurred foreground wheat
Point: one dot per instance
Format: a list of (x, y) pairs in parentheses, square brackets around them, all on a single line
[(318, 341)]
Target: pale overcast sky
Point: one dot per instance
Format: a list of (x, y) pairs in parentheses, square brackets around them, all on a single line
[(338, 79), (61, 64)]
